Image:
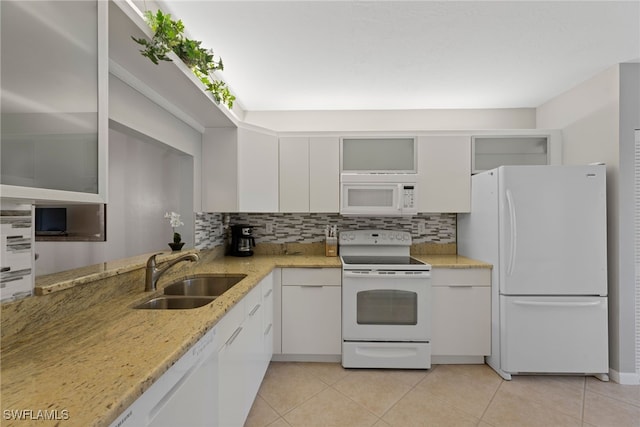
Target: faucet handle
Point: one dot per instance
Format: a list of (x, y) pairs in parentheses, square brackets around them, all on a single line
[(151, 262)]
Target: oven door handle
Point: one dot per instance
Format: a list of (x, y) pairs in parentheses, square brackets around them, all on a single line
[(379, 275)]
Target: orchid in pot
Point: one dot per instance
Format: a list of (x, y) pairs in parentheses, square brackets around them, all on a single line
[(174, 221)]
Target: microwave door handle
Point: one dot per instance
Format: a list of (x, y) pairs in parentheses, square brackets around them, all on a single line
[(399, 203)]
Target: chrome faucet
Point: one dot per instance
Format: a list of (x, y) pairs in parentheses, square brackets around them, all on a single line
[(153, 273)]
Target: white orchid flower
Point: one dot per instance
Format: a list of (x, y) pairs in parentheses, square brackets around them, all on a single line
[(174, 219)]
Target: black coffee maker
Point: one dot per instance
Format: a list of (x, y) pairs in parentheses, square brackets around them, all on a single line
[(242, 240)]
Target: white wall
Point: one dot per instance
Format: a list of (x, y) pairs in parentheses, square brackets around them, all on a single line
[(133, 111), (392, 120), (590, 118), (146, 179)]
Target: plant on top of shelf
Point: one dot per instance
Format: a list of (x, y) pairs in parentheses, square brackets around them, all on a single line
[(169, 37)]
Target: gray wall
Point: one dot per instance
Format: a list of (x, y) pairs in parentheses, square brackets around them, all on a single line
[(146, 179)]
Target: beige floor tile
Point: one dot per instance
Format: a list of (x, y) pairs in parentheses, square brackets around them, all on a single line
[(329, 373), (603, 411), (627, 393), (562, 393), (280, 422), (330, 408), (382, 423), (413, 410), (464, 387), (481, 371), (287, 385), (508, 410), (375, 389), (261, 414)]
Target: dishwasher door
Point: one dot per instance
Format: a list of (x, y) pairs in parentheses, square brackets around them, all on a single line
[(185, 395)]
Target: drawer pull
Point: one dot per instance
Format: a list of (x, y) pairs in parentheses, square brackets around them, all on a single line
[(256, 308), (460, 285), (268, 329), (234, 335), (268, 293)]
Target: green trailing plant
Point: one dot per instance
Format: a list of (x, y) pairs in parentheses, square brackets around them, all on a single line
[(169, 37)]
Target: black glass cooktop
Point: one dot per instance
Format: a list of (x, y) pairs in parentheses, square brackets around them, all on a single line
[(381, 260)]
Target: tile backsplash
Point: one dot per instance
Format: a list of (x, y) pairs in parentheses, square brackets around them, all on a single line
[(210, 228)]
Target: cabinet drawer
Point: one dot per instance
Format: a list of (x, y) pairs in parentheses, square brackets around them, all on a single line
[(230, 322), (311, 277), (253, 298), (460, 277)]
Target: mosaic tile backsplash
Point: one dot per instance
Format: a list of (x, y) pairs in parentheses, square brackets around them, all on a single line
[(210, 228)]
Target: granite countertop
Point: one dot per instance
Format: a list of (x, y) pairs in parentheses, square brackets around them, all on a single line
[(96, 361)]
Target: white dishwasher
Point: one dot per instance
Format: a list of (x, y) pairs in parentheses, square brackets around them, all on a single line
[(185, 395)]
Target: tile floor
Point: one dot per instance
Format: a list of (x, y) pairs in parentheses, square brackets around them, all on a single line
[(325, 394)]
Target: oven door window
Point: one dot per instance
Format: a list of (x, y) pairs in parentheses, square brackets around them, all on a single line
[(387, 307)]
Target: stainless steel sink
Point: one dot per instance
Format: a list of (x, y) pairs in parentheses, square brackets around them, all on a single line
[(175, 302), (205, 285)]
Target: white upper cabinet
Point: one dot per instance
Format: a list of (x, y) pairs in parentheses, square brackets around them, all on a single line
[(378, 155), (324, 174), (257, 171), (309, 174), (294, 174), (239, 171), (444, 173), (539, 148), (54, 100)]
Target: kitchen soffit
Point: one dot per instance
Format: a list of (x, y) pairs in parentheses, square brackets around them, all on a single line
[(315, 55)]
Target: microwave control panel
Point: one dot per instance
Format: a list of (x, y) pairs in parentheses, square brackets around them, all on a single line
[(409, 196)]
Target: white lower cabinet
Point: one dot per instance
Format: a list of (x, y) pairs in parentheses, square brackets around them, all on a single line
[(242, 355), (185, 395), (461, 312), (311, 311), (216, 381)]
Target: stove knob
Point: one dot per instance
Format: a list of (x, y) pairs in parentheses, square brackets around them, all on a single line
[(391, 237), (352, 236), (399, 236), (405, 237)]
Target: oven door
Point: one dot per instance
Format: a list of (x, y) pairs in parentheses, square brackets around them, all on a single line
[(386, 305)]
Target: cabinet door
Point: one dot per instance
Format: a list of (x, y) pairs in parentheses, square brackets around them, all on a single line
[(232, 379), (461, 321), (254, 335), (444, 173), (311, 320), (294, 174), (267, 320), (324, 174), (54, 122), (257, 171), (461, 312)]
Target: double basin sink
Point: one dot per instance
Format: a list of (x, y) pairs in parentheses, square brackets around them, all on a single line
[(192, 292)]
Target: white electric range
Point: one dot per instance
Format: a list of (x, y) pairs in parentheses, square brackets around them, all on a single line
[(386, 302)]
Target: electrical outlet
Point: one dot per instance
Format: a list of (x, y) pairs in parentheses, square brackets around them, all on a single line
[(269, 228), (422, 229)]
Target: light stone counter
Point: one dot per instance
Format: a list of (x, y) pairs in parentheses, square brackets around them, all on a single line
[(85, 353)]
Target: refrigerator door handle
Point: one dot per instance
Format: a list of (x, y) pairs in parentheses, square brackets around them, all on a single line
[(558, 304), (512, 241)]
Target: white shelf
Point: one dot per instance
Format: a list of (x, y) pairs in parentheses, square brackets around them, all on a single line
[(170, 84)]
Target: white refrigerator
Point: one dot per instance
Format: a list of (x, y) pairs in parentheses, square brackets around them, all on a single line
[(544, 229)]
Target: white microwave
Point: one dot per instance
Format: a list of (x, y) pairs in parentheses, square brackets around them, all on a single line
[(378, 195)]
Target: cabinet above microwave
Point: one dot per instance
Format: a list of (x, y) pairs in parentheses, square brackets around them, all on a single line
[(378, 155)]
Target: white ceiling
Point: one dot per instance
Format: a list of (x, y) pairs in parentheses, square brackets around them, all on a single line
[(336, 55)]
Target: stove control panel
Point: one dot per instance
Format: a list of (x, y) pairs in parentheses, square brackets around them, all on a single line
[(375, 237)]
